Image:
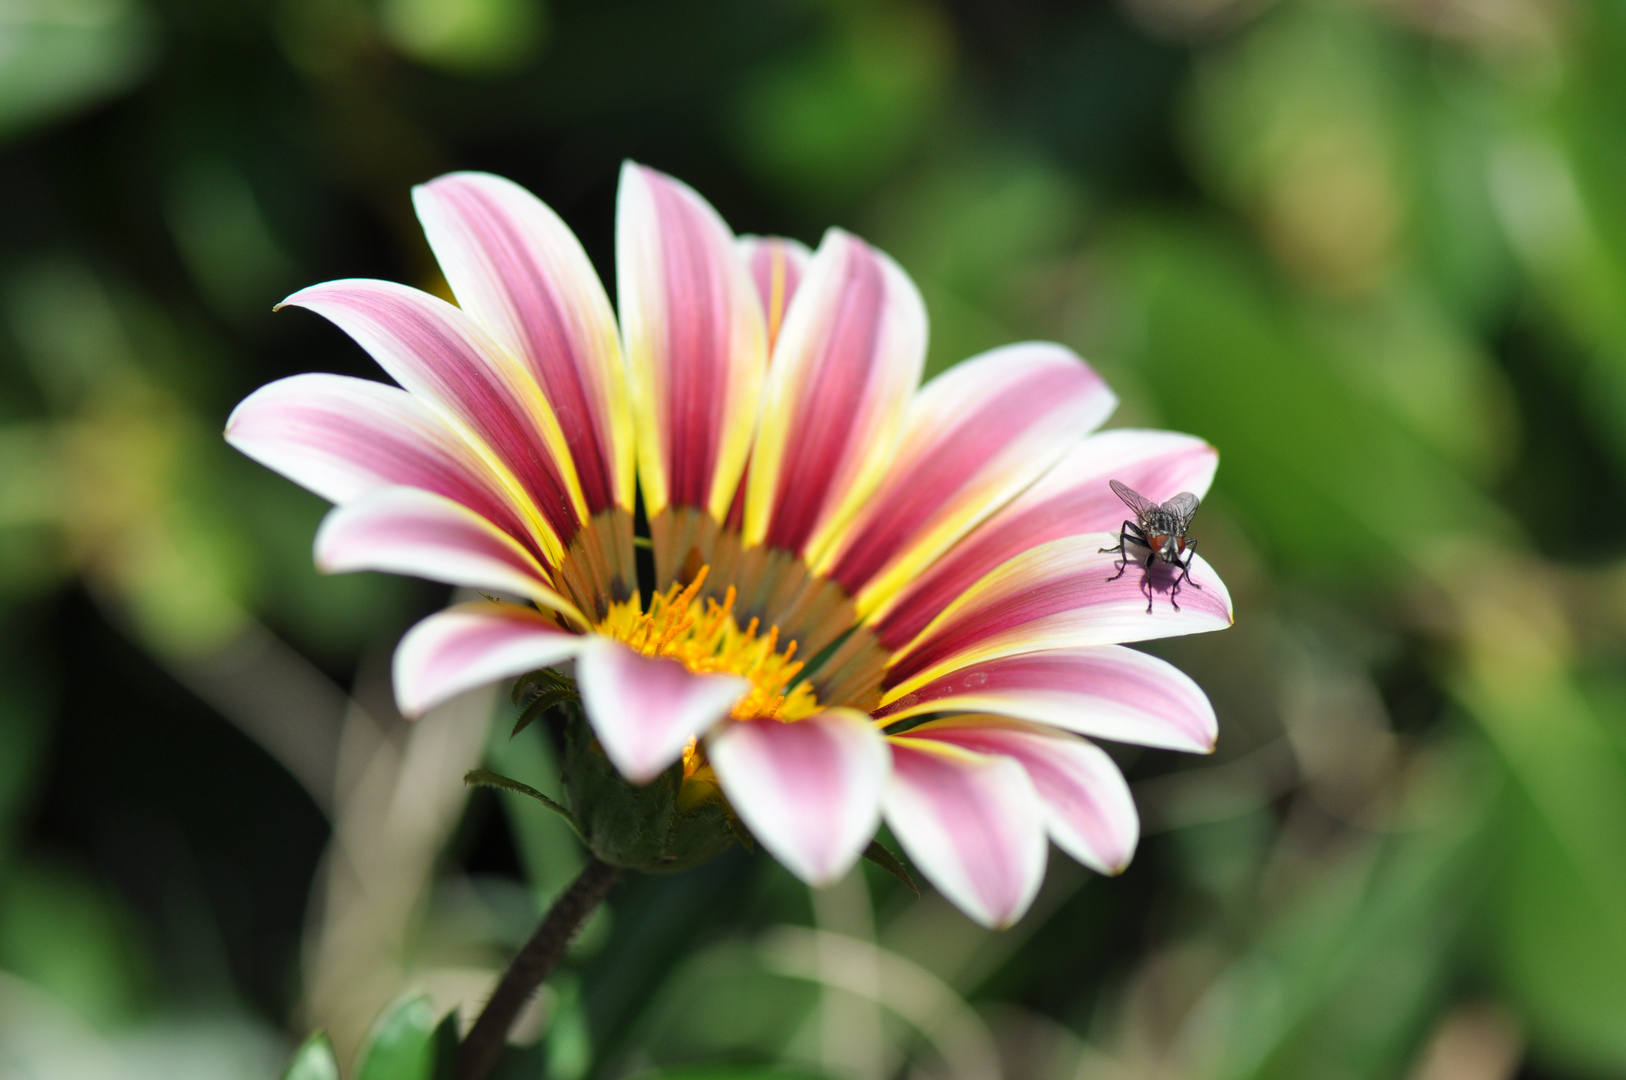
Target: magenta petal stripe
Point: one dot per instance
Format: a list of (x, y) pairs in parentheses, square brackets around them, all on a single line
[(846, 363), (1059, 595), (645, 710), (1072, 498), (810, 791), (523, 276), (695, 343), (473, 645), (1108, 691), (402, 530), (976, 436), (447, 361), (1088, 809), (342, 438), (776, 267), (971, 823)]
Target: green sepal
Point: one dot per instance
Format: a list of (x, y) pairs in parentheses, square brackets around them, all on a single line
[(638, 827), (313, 1060), (889, 862), (487, 778), (543, 680), (402, 1044), (540, 704), (742, 834)]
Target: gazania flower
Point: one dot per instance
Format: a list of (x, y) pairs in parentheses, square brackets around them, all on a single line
[(836, 554)]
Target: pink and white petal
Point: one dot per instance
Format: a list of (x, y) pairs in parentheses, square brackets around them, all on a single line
[(645, 709), (472, 645), (342, 438), (1109, 691), (976, 436), (810, 791), (402, 530), (971, 823), (695, 343), (1088, 809), (847, 360), (448, 362), (521, 273), (1061, 595), (1072, 498), (776, 266)]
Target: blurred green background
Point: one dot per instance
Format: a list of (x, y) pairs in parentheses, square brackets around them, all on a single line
[(1373, 250)]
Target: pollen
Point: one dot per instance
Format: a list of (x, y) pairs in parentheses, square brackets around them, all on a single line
[(705, 637)]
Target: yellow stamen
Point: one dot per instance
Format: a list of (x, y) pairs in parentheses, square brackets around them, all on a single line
[(704, 637)]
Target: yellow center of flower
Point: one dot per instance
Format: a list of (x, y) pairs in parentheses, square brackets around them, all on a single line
[(703, 636)]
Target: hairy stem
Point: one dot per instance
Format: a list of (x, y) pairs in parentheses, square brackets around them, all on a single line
[(535, 962)]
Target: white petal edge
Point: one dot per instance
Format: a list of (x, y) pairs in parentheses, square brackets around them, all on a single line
[(809, 790), (473, 645), (972, 824), (645, 709), (1089, 811), (401, 530)]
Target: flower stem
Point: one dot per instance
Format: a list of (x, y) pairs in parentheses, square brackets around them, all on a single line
[(535, 962)]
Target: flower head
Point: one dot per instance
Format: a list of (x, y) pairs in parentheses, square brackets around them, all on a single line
[(837, 554)]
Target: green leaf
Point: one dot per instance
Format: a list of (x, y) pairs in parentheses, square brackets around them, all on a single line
[(402, 1045), (731, 1072), (549, 848), (889, 862), (487, 778), (443, 1046), (1562, 891), (62, 57), (313, 1060)]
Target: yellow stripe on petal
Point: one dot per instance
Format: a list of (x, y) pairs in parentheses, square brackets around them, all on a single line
[(776, 266), (519, 271), (692, 330), (1064, 594), (977, 435), (848, 358), (448, 362)]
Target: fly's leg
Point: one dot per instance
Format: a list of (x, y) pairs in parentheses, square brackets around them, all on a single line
[(1184, 576), (1185, 567), (1122, 549)]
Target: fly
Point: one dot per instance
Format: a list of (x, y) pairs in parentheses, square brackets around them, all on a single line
[(1159, 529)]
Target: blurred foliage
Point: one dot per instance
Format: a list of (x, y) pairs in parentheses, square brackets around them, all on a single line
[(1373, 250)]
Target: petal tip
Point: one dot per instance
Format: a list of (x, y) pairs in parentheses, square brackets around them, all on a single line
[(631, 170)]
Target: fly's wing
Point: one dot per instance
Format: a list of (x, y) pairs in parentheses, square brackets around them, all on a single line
[(1184, 507), (1140, 504)]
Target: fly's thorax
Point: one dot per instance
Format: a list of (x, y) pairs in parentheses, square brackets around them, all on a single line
[(1161, 523)]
